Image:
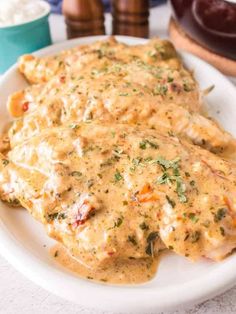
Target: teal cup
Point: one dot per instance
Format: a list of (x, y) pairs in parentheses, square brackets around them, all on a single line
[(27, 37)]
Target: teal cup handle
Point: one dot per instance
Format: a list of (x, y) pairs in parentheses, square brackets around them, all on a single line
[(24, 38)]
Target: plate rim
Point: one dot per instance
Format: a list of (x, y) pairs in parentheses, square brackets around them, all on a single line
[(112, 296)]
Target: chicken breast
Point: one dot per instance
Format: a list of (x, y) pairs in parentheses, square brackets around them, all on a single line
[(165, 98), (156, 52), (117, 191)]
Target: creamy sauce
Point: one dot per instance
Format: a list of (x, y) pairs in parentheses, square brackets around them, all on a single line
[(105, 161), (131, 271), (4, 143), (4, 138), (102, 82)]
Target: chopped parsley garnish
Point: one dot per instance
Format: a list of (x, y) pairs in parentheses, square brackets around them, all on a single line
[(118, 152), (160, 90), (54, 216), (5, 162), (14, 202), (195, 236), (146, 143), (169, 178), (187, 87), (124, 94), (132, 239), (150, 239), (74, 126), (109, 161), (186, 236), (152, 236), (148, 159), (74, 88), (90, 183), (76, 174), (143, 145), (166, 164), (118, 176), (180, 189), (117, 223), (193, 217), (220, 214), (137, 161), (165, 178), (170, 201), (89, 277), (222, 231), (144, 226)]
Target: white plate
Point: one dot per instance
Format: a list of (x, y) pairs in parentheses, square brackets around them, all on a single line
[(178, 282)]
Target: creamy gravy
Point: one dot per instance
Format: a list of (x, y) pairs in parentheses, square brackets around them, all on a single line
[(4, 143), (129, 271), (145, 192), (87, 85), (4, 138), (116, 188)]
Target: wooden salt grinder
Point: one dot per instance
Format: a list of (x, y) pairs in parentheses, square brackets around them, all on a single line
[(130, 17), (83, 17)]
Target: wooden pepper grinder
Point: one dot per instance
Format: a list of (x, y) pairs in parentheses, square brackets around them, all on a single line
[(83, 17), (130, 17)]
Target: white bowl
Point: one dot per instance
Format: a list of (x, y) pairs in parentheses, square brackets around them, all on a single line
[(177, 283)]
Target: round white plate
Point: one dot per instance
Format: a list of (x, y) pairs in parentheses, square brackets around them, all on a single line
[(178, 282)]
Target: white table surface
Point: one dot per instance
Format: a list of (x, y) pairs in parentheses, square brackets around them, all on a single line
[(19, 295)]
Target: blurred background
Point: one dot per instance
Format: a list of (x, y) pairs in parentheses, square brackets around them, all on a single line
[(56, 5)]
